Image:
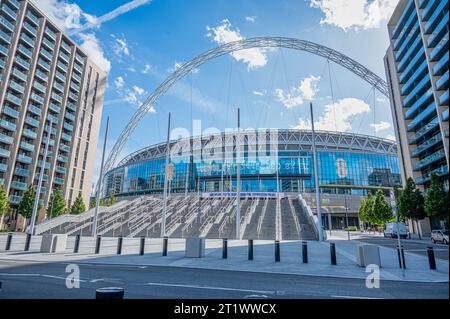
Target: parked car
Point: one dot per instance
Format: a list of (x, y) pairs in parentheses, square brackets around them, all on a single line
[(440, 235), (390, 230)]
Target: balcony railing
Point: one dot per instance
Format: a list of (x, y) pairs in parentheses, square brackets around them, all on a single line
[(34, 109), (8, 125), (11, 112), (24, 158), (426, 145), (429, 159), (19, 185), (6, 138)]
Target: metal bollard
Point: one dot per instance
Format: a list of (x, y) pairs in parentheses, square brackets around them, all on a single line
[(165, 242), (333, 253), (8, 241), (305, 252), (142, 246), (76, 247), (402, 251), (119, 245), (97, 244), (27, 242), (431, 258), (250, 249), (277, 250), (225, 248), (109, 293)]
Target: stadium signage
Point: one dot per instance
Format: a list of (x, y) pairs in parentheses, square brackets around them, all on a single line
[(243, 194)]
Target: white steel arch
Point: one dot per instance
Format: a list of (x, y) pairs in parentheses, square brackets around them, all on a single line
[(259, 42)]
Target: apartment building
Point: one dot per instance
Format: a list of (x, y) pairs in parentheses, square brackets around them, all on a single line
[(45, 78)]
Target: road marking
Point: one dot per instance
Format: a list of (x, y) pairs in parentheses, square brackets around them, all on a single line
[(355, 297), (39, 275), (210, 288)]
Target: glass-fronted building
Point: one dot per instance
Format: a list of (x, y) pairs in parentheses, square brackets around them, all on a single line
[(348, 164)]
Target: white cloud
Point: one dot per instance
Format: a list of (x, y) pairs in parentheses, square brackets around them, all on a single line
[(223, 33), (176, 65), (138, 90), (120, 47), (390, 137), (296, 96), (259, 93), (380, 126), (250, 19), (91, 46), (355, 14), (119, 82), (337, 116), (148, 69)]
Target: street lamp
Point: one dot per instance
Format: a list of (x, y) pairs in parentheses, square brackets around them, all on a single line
[(346, 216)]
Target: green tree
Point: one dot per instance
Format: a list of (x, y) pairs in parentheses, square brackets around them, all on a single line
[(57, 204), (365, 207), (92, 202), (4, 205), (410, 202), (381, 212), (436, 199), (78, 206), (26, 204), (112, 200)]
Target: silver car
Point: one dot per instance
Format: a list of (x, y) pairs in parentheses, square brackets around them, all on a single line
[(439, 236)]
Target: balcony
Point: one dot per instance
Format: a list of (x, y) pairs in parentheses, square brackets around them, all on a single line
[(46, 54), (11, 112), (409, 51), (29, 133), (2, 64), (64, 56), (24, 159), (443, 170), (440, 49), (8, 125), (13, 99), (46, 165), (22, 49), (50, 33), (429, 159), (401, 21), (34, 109), (6, 24), (6, 138), (4, 153), (68, 126), (76, 77), (75, 87), (37, 98), (3, 168), (430, 110), (15, 3), (20, 75), (57, 97), (445, 115), (31, 121), (62, 66), (439, 32), (5, 37), (24, 64), (442, 83), (52, 118), (69, 116), (78, 68), (73, 96), (45, 139), (441, 66), (443, 99), (66, 47), (27, 146), (59, 181), (39, 87), (412, 66), (429, 9), (60, 76), (33, 18), (426, 145), (17, 87), (41, 75), (55, 108), (28, 40), (30, 28), (66, 137), (22, 172), (48, 44), (61, 170), (421, 71), (6, 9), (59, 87), (4, 50), (71, 107), (64, 147), (19, 185), (418, 90), (15, 199), (44, 64)]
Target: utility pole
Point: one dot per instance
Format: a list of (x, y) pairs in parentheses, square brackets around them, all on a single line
[(99, 188), (238, 176), (41, 177), (316, 173), (163, 219)]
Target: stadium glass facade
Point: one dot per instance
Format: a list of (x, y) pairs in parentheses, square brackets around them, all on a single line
[(353, 168)]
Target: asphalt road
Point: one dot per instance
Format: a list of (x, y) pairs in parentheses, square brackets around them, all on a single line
[(440, 250), (48, 280)]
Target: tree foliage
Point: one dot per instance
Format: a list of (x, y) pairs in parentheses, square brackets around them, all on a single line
[(57, 204), (382, 212), (410, 202), (436, 199), (26, 204), (78, 206), (4, 203)]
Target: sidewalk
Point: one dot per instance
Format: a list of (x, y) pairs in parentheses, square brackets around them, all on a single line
[(291, 259)]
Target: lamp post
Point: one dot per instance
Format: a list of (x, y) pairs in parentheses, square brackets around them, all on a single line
[(346, 216)]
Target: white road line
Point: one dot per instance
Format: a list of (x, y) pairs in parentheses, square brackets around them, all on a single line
[(210, 288), (39, 275), (354, 297)]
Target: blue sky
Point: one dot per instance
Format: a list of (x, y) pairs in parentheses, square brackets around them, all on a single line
[(141, 41)]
